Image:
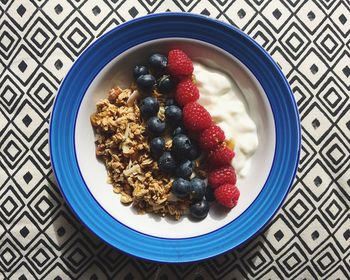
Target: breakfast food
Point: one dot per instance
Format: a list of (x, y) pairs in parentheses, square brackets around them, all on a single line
[(121, 142), (222, 175), (227, 195), (179, 64), (163, 150), (186, 92), (220, 95), (211, 137), (196, 118)]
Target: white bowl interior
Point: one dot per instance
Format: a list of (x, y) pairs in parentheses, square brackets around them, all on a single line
[(119, 73)]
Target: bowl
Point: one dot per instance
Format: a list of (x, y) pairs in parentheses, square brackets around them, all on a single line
[(107, 63)]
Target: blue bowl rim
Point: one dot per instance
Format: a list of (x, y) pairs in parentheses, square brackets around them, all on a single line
[(185, 17)]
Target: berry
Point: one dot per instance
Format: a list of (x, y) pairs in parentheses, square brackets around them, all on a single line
[(179, 64), (165, 84), (181, 146), (185, 169), (157, 147), (149, 107), (146, 82), (140, 70), (194, 152), (186, 92), (173, 114), (179, 130), (158, 61), (200, 209), (197, 189), (169, 102), (167, 163), (212, 137), (209, 194), (155, 126), (223, 175), (227, 195), (180, 187), (195, 117), (222, 155)]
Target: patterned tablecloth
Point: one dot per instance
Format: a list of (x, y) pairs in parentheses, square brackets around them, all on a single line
[(309, 238)]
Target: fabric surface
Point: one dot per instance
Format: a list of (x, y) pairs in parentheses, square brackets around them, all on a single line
[(309, 238)]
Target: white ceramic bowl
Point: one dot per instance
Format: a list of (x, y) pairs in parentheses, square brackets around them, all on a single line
[(107, 63), (119, 73)]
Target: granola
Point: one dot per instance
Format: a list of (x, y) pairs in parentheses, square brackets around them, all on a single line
[(121, 142)]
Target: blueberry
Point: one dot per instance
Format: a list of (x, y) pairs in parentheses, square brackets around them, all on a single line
[(173, 114), (194, 152), (140, 70), (185, 169), (197, 189), (180, 187), (157, 147), (155, 126), (165, 84), (170, 101), (179, 130), (146, 82), (181, 146), (200, 209), (158, 61), (149, 107), (209, 194), (167, 163)]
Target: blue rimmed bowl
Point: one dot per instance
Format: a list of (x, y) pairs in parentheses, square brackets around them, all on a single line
[(107, 63)]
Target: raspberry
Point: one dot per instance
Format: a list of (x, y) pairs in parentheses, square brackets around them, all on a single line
[(222, 155), (179, 64), (222, 175), (227, 195), (195, 117), (212, 137), (186, 92)]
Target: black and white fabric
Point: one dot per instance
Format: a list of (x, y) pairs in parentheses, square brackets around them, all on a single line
[(309, 238)]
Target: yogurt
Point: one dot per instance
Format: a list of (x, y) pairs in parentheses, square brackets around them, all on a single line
[(219, 95)]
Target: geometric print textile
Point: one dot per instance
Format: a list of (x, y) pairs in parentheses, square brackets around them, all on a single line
[(309, 237)]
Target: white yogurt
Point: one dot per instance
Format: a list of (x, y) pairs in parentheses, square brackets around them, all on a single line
[(219, 94)]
